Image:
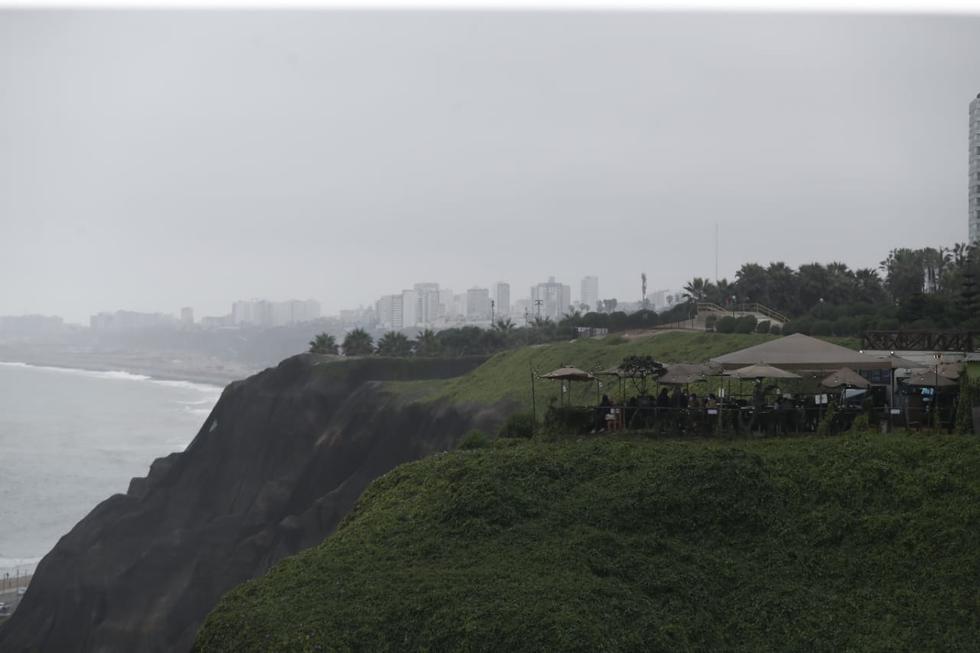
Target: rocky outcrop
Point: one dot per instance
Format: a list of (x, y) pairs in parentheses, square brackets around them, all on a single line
[(280, 461)]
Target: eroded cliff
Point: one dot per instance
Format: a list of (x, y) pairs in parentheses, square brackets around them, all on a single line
[(279, 462)]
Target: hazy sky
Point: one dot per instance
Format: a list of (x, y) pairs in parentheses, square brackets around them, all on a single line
[(152, 160)]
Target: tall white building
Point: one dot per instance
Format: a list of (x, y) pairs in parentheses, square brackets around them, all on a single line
[(974, 196), (590, 293), (550, 300), (478, 304), (410, 308), (428, 309), (447, 309), (389, 310), (501, 299)]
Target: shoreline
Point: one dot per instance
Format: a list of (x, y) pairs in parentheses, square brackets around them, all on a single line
[(154, 368)]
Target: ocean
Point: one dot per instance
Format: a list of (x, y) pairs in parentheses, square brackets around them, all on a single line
[(71, 438)]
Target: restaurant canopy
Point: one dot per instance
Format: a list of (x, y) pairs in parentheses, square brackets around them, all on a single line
[(800, 352), (684, 373), (846, 377), (761, 372)]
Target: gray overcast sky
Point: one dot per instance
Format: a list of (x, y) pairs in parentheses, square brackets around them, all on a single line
[(152, 160)]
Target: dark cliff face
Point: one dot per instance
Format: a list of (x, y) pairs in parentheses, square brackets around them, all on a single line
[(276, 466)]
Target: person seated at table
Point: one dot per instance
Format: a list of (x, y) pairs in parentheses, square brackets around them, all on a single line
[(711, 401), (694, 401)]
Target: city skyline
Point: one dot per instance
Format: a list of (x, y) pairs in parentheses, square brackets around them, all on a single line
[(592, 144)]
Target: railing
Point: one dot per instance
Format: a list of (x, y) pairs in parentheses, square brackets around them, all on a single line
[(756, 307)]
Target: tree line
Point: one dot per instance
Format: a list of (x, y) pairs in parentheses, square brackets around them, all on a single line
[(925, 288)]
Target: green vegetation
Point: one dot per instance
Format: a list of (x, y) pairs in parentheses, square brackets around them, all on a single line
[(323, 343), (862, 543)]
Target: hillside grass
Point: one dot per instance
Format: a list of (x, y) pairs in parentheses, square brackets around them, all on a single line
[(809, 544), (507, 375)]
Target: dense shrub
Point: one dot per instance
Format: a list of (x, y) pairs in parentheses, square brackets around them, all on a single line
[(726, 324), (745, 324), (762, 326), (518, 425), (475, 439)]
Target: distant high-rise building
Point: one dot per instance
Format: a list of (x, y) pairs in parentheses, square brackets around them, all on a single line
[(187, 316), (550, 300), (590, 293), (389, 310), (428, 309), (478, 304), (410, 308), (446, 308), (501, 299), (974, 203)]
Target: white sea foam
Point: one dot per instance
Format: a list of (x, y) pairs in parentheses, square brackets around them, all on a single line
[(200, 387), (110, 374)]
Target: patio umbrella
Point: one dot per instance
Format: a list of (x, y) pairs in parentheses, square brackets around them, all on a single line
[(846, 377), (762, 371), (927, 379), (568, 374)]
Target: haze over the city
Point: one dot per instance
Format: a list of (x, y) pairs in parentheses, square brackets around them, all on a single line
[(151, 161)]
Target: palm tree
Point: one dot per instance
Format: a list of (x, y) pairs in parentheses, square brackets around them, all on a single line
[(394, 343), (427, 344), (358, 343), (505, 325), (697, 289), (323, 343)]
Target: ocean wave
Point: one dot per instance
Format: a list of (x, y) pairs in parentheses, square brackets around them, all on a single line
[(99, 374), (122, 376), (203, 412), (190, 385)]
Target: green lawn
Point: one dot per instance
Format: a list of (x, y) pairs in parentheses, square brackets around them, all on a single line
[(598, 544)]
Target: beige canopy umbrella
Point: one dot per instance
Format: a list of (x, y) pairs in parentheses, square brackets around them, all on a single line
[(762, 371), (568, 374), (927, 379), (846, 377)]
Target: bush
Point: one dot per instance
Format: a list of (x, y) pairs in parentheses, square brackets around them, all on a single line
[(709, 322), (745, 324), (775, 330), (861, 423), (726, 324), (518, 425), (475, 439), (762, 327)]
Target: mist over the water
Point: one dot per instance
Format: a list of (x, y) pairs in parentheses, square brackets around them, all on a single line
[(71, 438)]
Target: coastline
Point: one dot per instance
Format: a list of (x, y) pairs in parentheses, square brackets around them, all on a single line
[(160, 367)]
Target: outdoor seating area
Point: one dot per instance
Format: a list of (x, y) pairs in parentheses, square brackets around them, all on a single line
[(793, 385)]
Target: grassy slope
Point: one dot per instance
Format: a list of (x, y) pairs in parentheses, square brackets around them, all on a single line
[(507, 375), (807, 544)]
